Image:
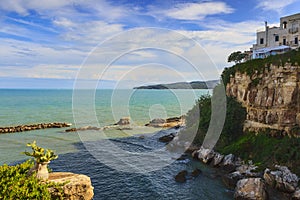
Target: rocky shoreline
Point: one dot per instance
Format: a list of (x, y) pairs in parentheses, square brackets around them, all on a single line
[(247, 181), (31, 127)]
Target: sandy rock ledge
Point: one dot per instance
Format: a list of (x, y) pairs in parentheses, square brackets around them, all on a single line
[(77, 187)]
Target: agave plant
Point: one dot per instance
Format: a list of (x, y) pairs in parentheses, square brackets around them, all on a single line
[(40, 154), (42, 158)]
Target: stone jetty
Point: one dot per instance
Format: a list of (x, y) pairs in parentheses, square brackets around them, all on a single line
[(31, 127)]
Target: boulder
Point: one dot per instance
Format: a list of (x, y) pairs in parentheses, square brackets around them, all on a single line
[(157, 122), (269, 177), (282, 179), (205, 155), (228, 163), (123, 121), (71, 130), (250, 189), (231, 179), (176, 122), (78, 186), (217, 159), (167, 138), (296, 195), (181, 176), (248, 170)]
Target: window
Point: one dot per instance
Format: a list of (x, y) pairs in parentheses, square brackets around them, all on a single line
[(296, 40), (284, 41), (276, 38), (284, 25), (261, 41)]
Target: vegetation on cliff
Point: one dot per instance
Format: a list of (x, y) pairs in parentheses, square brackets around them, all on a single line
[(233, 126), (256, 65), (263, 149)]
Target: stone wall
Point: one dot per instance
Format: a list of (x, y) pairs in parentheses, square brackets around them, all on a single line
[(272, 98)]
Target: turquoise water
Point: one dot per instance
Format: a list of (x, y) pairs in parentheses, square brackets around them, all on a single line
[(36, 106)]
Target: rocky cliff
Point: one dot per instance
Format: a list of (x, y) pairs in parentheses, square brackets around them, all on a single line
[(271, 97), (76, 186)]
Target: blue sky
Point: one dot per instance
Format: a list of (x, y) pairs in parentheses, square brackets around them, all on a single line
[(46, 44)]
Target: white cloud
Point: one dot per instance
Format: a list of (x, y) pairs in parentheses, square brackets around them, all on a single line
[(274, 5), (23, 6), (92, 32), (66, 8), (218, 42), (197, 11)]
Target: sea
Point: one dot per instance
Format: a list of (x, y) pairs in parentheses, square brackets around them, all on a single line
[(24, 106)]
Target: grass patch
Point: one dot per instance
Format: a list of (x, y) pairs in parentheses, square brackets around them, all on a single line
[(266, 150)]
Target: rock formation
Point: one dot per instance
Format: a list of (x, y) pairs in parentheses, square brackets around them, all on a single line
[(250, 189), (77, 186), (31, 127), (272, 98), (181, 176), (167, 123), (249, 183), (282, 179), (123, 121)]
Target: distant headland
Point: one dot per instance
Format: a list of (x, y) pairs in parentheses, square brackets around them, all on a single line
[(182, 85)]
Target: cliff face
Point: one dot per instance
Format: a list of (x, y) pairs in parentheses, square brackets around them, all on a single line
[(272, 98)]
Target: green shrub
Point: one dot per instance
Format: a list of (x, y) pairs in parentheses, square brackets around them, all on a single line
[(15, 184), (233, 126)]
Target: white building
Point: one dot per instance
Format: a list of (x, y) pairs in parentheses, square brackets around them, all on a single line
[(276, 40)]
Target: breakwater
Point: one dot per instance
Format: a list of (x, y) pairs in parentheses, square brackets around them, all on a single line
[(31, 127)]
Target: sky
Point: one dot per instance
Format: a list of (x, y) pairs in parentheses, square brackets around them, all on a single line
[(126, 43)]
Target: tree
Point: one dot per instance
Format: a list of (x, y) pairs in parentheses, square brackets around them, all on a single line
[(236, 57)]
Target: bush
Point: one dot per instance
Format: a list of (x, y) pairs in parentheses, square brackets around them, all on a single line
[(233, 126), (14, 183)]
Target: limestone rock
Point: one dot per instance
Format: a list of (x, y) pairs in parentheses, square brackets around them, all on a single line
[(123, 121), (282, 179), (205, 155), (176, 122), (78, 186), (228, 163), (248, 170), (218, 158), (250, 189), (271, 98)]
